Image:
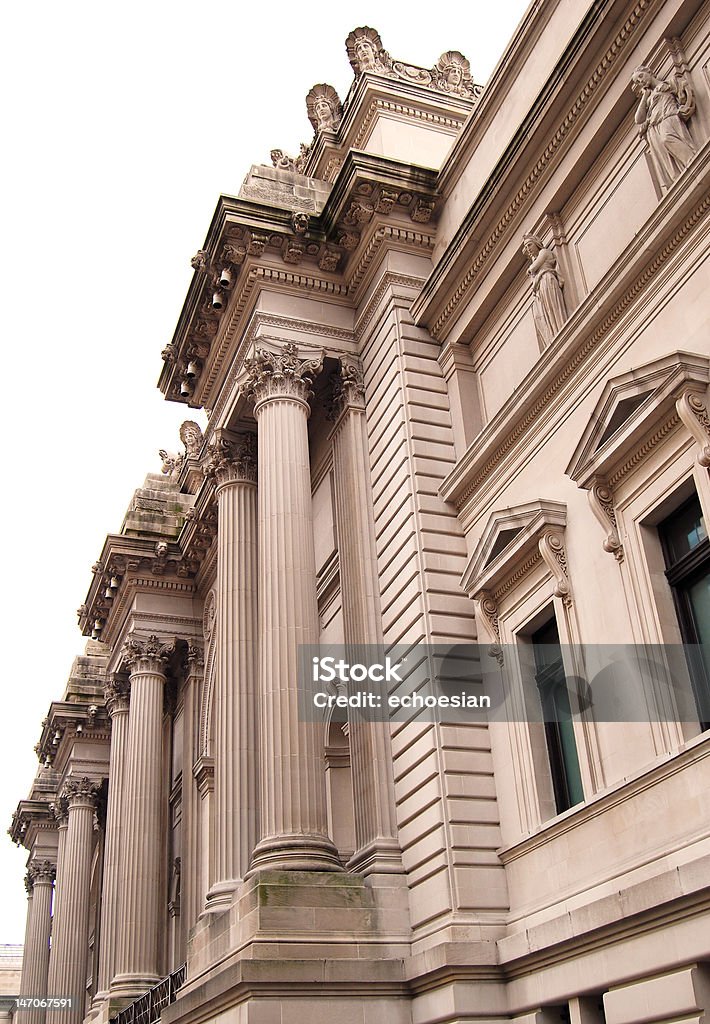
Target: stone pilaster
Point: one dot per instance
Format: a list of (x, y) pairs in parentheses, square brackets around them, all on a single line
[(233, 465), (61, 814), (376, 844), (35, 963), (117, 702), (191, 891), (294, 833), (29, 887), (137, 966), (71, 947)]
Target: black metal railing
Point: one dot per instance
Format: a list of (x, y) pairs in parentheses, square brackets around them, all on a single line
[(148, 1007)]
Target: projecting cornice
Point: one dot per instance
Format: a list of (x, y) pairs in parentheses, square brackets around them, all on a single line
[(69, 722), (250, 246)]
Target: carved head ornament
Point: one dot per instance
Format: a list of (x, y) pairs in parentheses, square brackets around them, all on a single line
[(325, 111), (365, 51), (452, 74)]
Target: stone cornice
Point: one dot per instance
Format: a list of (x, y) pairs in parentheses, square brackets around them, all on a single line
[(68, 722), (681, 212), (368, 190), (122, 560), (469, 252), (29, 813)]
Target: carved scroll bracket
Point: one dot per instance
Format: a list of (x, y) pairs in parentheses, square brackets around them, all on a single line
[(552, 549), (601, 500), (693, 414), (488, 610)]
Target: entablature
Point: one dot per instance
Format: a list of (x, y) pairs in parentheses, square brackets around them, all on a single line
[(374, 201), (70, 725), (30, 817)]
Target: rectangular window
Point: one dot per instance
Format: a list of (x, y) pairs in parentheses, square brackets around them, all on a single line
[(559, 726), (686, 550)]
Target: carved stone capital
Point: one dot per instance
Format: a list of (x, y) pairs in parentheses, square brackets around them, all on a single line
[(601, 501), (117, 696), (41, 871), (195, 657), (230, 462), (693, 414), (81, 791), (280, 375), (552, 549), (147, 654), (348, 388), (29, 883), (60, 810)]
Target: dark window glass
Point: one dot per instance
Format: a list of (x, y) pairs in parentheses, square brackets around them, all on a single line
[(686, 550), (559, 727)]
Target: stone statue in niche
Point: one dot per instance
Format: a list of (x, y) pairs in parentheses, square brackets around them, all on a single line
[(663, 109), (452, 74), (365, 51), (549, 310), (325, 111)]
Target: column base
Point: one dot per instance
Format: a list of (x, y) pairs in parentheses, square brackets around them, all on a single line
[(295, 853), (127, 987), (380, 857), (220, 896)]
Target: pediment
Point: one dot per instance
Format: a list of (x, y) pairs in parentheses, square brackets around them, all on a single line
[(510, 536), (630, 407)]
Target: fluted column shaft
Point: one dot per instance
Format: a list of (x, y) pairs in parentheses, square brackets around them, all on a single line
[(376, 843), (61, 814), (117, 705), (137, 967), (71, 946), (35, 962), (294, 831), (234, 710)]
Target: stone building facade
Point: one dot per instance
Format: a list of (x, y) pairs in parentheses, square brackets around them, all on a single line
[(455, 362)]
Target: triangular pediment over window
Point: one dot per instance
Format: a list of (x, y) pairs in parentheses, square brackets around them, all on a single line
[(630, 408), (510, 537)]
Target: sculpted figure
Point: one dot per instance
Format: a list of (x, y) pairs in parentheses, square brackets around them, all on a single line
[(191, 437), (452, 74), (549, 311), (284, 162), (663, 108), (365, 51), (171, 463), (325, 111)]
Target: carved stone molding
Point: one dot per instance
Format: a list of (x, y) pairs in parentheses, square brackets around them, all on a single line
[(552, 549), (282, 374), (117, 695), (693, 414), (232, 461), (147, 654), (81, 791), (41, 871), (601, 500)]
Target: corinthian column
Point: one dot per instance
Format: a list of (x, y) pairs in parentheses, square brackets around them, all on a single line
[(35, 962), (116, 695), (294, 832), (233, 465), (376, 844), (71, 946), (138, 901), (60, 809)]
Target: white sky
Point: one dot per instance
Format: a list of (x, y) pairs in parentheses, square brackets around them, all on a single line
[(122, 125)]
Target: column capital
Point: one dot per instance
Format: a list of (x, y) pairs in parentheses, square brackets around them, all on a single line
[(60, 810), (41, 871), (348, 388), (281, 374), (117, 696), (231, 461), (83, 791), (29, 883), (147, 654), (195, 657)]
